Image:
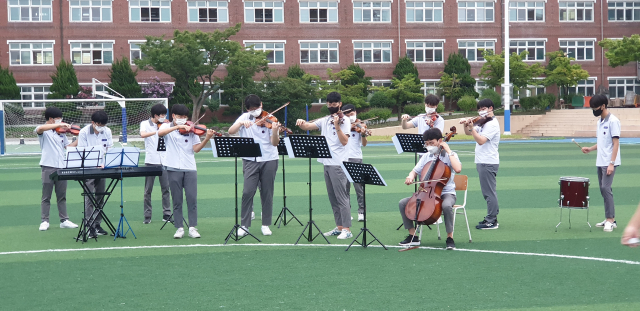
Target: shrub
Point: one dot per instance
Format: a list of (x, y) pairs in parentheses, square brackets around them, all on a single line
[(492, 95), (546, 100), (380, 99), (64, 81), (440, 108), (467, 103), (70, 112), (528, 103), (414, 109), (382, 114), (123, 79), (114, 111)]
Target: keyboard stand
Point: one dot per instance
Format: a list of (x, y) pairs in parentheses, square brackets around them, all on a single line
[(98, 208)]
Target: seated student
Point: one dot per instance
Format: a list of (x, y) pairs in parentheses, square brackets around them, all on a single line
[(96, 134), (180, 163), (356, 141), (153, 157), (53, 155), (433, 140), (425, 121)]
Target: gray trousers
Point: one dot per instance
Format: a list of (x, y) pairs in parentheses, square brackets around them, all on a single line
[(605, 181), (337, 185), (487, 174), (263, 174), (448, 200), (164, 187), (187, 180), (94, 185), (47, 191), (358, 188)]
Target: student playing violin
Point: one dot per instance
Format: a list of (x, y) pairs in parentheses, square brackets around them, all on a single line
[(425, 121), (354, 146)]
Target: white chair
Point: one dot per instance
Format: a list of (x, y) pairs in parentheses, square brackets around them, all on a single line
[(461, 185)]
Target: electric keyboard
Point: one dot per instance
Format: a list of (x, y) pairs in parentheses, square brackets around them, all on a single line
[(114, 173)]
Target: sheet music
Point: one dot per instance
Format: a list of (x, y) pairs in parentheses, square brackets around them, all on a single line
[(127, 156), (83, 157)]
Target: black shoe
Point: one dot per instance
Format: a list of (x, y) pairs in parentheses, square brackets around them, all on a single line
[(146, 222), (101, 231), (92, 234), (411, 240), (167, 218), (482, 222), (450, 243), (488, 225)]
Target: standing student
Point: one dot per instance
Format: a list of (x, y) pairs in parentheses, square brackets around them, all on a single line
[(260, 170), (608, 158), (335, 130), (180, 163), (53, 155), (356, 141), (153, 157), (486, 133), (425, 121), (98, 135)]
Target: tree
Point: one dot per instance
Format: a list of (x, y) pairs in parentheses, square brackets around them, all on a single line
[(342, 82), (403, 92), (64, 82), (239, 80), (191, 57), (357, 79), (521, 75), (456, 80), (123, 79), (563, 74), (404, 67), (10, 90), (622, 52), (457, 64)]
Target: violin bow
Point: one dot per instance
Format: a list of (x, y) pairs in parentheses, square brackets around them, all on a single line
[(574, 141), (427, 181), (271, 113)]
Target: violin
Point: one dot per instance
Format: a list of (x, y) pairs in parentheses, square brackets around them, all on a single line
[(199, 129), (73, 130), (361, 128), (425, 206), (479, 120), (266, 119)]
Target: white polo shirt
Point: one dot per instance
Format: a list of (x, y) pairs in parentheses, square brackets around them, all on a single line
[(487, 153), (88, 138), (339, 152), (153, 156), (607, 130), (420, 123), (355, 145), (450, 187), (260, 135), (53, 148), (179, 154)]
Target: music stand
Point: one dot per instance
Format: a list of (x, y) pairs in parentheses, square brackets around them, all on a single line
[(119, 158), (282, 150), (409, 143), (364, 174), (234, 147), (304, 146)]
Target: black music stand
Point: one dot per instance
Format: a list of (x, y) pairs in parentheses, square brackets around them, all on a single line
[(409, 143), (234, 147), (282, 150), (304, 146), (119, 158), (364, 174)]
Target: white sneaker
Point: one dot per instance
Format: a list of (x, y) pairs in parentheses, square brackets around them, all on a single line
[(68, 225), (179, 233), (360, 217), (266, 230), (193, 232), (601, 224), (608, 226), (242, 231), (253, 215), (345, 235), (333, 232), (44, 226)]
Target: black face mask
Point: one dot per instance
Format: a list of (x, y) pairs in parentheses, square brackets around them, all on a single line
[(597, 113), (333, 110)]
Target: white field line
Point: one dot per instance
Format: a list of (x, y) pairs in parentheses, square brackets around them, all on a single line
[(628, 262)]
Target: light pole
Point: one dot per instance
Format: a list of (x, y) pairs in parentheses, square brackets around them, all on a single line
[(506, 89)]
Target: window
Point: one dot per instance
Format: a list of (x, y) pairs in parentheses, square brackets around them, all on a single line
[(208, 11), (263, 12), (376, 11), (521, 11), (275, 50), (98, 53), (424, 52), (472, 50), (580, 50), (31, 53), (318, 11), (149, 11), (29, 10), (571, 11), (372, 52), (469, 11), (624, 11), (480, 86), (424, 11), (535, 49), (618, 88), (381, 83), (531, 90), (90, 11), (134, 48), (34, 93), (430, 87), (318, 52)]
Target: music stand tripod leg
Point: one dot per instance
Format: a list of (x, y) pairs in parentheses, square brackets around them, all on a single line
[(234, 231), (364, 229)]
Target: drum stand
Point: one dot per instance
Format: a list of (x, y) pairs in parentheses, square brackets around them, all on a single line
[(570, 208)]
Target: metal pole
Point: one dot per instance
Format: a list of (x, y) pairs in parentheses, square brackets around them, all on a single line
[(2, 132), (307, 108), (506, 86)]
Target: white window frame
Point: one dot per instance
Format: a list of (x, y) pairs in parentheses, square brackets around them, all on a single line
[(372, 45), (576, 45), (480, 86), (102, 8), (575, 8), (475, 48), (635, 85), (415, 6), (82, 49), (31, 50), (519, 47), (17, 6), (330, 5), (516, 7), (34, 94), (265, 48), (429, 86), (319, 46), (221, 7), (132, 49), (635, 11), (477, 8), (530, 90), (161, 5), (249, 10), (381, 83), (385, 7), (424, 47)]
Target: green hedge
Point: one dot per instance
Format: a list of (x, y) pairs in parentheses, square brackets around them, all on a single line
[(382, 113), (467, 103)]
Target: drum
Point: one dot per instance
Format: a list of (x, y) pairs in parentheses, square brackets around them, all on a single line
[(574, 192)]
